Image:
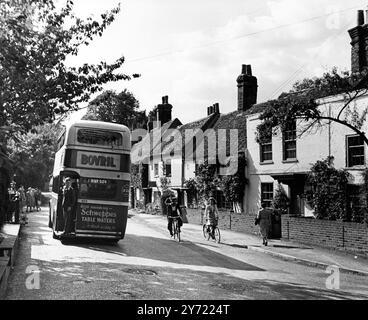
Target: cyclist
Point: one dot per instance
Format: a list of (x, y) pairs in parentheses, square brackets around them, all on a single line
[(211, 214), (172, 212)]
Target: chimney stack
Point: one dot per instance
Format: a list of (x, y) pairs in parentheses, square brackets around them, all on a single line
[(163, 111), (360, 17), (215, 109), (247, 88), (359, 43)]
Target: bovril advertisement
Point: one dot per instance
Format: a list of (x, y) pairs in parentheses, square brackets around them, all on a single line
[(94, 160)]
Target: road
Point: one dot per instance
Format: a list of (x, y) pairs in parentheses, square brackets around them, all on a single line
[(147, 264)]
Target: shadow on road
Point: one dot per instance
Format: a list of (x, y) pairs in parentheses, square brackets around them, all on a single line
[(158, 249)]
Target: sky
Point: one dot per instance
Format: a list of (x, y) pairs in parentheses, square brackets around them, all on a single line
[(193, 50)]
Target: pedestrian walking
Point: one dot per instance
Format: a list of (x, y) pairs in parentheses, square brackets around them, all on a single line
[(263, 219)]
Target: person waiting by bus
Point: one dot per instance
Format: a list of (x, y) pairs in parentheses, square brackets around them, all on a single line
[(22, 199), (69, 200), (30, 195), (211, 215), (74, 208), (172, 212), (22, 204), (37, 195), (14, 197)]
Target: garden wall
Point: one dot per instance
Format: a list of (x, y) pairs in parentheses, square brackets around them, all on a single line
[(332, 234), (239, 222)]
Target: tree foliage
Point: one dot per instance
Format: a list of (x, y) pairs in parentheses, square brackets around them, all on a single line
[(301, 103), (328, 190), (120, 108), (207, 182), (35, 82), (280, 201), (191, 185), (233, 186), (33, 154)]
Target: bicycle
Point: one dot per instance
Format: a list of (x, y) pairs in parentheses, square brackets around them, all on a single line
[(175, 228), (211, 231)]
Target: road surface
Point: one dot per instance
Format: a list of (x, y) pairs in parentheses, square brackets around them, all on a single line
[(148, 264)]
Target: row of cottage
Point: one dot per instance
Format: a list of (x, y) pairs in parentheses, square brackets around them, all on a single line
[(284, 161)]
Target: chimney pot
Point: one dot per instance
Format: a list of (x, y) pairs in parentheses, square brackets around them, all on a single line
[(244, 69), (249, 70), (360, 17)]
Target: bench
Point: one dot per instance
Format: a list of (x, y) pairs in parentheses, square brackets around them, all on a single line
[(4, 275), (7, 248), (9, 236)]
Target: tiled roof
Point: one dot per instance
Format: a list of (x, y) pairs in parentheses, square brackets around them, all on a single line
[(179, 144), (160, 131), (234, 120)]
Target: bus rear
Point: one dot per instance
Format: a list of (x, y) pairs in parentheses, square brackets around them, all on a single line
[(96, 156)]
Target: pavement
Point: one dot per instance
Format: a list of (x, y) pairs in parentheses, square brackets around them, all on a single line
[(286, 250)]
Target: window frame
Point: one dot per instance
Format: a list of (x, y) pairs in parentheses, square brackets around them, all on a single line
[(168, 164), (156, 167), (348, 159), (285, 141), (269, 184), (262, 152)]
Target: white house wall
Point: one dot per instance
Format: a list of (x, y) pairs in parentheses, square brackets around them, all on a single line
[(311, 147)]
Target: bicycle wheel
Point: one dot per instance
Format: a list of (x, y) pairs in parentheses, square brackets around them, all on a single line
[(177, 232), (205, 231), (217, 235)]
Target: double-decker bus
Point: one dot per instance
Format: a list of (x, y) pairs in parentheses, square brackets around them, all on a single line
[(96, 156)]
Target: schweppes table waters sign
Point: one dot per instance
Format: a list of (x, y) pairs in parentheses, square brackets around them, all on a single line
[(93, 160)]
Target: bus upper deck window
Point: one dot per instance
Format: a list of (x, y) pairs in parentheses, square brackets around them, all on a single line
[(99, 137)]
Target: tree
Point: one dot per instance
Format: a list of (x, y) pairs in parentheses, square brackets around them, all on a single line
[(33, 154), (328, 193), (233, 186), (36, 84), (191, 185), (206, 181), (301, 103), (120, 108), (280, 201)]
